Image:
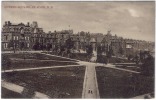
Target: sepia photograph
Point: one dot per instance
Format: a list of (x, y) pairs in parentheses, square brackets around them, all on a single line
[(77, 49)]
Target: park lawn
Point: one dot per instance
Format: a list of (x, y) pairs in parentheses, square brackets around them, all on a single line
[(80, 56), (9, 63), (100, 59), (77, 56), (56, 83), (37, 56), (103, 58), (114, 83), (33, 64)]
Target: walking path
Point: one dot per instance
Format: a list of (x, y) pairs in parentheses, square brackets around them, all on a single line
[(20, 89), (90, 88), (3, 52), (113, 67), (48, 67), (123, 63), (60, 57), (21, 59)]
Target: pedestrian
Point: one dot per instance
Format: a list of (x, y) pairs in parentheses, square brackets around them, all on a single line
[(89, 91)]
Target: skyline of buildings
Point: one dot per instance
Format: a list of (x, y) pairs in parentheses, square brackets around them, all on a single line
[(32, 37), (72, 31)]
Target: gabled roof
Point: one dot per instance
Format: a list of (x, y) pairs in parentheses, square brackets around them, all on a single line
[(92, 40)]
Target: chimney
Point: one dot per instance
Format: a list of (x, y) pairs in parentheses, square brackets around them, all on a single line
[(28, 24), (49, 32), (9, 23), (6, 23)]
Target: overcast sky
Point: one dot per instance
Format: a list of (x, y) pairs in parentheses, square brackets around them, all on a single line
[(134, 20)]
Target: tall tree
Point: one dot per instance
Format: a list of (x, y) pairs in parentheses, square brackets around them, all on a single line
[(121, 51), (69, 43)]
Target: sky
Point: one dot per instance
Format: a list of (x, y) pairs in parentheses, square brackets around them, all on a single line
[(129, 19)]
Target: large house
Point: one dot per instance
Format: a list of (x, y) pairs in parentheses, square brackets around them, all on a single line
[(16, 36), (27, 37)]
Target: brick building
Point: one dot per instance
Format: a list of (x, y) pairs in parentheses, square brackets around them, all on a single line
[(121, 46), (28, 36), (16, 36)]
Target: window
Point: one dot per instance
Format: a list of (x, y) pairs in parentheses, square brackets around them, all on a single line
[(17, 38), (17, 45), (22, 30), (14, 37), (6, 37), (6, 45), (28, 38), (25, 38), (3, 45), (28, 45)]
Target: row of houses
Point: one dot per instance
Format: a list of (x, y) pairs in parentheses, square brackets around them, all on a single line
[(26, 36)]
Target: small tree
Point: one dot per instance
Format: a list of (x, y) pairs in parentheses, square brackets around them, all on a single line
[(109, 54), (99, 50), (36, 46), (69, 43), (49, 46), (89, 50), (99, 54), (148, 65), (121, 51)]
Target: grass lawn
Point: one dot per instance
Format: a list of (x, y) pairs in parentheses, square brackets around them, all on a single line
[(9, 63), (100, 59), (33, 56), (72, 56), (56, 83), (114, 83), (103, 58), (80, 56)]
